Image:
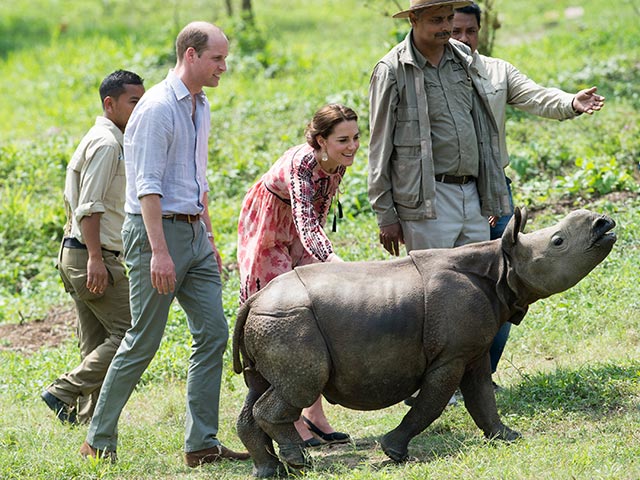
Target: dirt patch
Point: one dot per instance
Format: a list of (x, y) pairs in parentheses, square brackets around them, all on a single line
[(56, 327)]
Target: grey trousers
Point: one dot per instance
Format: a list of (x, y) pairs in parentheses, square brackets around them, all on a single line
[(459, 221), (199, 292), (103, 320)]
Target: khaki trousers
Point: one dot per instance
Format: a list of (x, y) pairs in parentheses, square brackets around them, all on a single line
[(102, 322), (459, 220)]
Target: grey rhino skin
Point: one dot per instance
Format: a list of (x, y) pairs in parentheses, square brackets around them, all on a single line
[(367, 335)]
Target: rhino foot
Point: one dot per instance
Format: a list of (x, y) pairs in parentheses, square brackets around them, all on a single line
[(505, 434), (269, 471), (393, 451), (295, 456)]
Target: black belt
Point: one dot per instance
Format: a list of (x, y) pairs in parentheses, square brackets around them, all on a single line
[(72, 242), (443, 178), (182, 217), (285, 200)]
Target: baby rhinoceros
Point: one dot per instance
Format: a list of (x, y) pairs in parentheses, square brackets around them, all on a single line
[(367, 335)]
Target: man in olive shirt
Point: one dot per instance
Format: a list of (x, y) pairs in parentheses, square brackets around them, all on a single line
[(434, 160), (89, 261)]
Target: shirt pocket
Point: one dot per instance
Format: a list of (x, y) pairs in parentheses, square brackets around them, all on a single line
[(406, 166), (462, 90)]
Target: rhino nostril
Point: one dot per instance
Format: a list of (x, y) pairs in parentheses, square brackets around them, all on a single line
[(601, 223)]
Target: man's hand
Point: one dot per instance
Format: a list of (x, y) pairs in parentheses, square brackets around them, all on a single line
[(587, 101), (97, 275), (163, 272), (391, 237), (217, 254)]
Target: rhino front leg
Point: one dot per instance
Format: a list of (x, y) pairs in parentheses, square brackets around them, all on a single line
[(480, 401), (257, 442), (435, 392), (275, 416)]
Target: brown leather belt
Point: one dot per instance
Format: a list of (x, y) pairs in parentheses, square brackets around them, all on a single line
[(443, 178), (182, 217)]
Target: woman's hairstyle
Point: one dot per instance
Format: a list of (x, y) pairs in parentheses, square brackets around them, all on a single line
[(325, 120)]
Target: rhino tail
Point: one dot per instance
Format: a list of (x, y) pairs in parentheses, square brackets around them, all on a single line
[(238, 335)]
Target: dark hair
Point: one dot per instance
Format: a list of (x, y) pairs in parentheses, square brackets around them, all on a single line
[(195, 35), (113, 84), (473, 9), (325, 120)]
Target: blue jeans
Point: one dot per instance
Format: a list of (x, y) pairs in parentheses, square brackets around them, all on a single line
[(500, 340), (199, 292)]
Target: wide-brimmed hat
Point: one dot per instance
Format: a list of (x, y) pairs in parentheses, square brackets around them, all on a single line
[(420, 4)]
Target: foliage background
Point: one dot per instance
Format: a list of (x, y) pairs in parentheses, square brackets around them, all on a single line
[(571, 368)]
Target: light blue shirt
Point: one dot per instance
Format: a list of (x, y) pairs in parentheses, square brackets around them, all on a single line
[(166, 150)]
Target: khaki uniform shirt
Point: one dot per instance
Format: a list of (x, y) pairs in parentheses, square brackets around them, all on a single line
[(95, 183), (505, 85), (449, 100)]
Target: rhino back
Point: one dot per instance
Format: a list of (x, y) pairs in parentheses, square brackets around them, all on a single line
[(371, 316)]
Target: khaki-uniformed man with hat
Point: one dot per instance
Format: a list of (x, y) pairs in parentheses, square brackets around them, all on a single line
[(434, 160)]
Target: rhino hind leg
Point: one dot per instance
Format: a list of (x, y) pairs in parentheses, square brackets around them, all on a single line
[(258, 443), (276, 417)]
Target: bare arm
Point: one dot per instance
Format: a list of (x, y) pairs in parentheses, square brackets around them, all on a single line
[(97, 276), (163, 272)]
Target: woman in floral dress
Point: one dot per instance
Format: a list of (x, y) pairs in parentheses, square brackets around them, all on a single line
[(281, 224)]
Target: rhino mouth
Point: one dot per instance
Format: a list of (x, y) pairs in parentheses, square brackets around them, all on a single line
[(602, 232)]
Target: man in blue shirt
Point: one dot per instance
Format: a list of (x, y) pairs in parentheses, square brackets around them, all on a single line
[(169, 247)]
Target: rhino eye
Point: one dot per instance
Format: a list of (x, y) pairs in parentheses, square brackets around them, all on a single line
[(557, 241)]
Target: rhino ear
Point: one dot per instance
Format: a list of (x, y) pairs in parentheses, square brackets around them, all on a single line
[(525, 217), (514, 227)]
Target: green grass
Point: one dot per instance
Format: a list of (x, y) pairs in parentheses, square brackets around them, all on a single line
[(571, 370)]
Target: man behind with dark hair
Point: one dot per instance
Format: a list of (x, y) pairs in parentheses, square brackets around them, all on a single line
[(506, 85), (89, 260)]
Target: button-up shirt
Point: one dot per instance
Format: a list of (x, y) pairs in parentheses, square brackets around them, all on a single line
[(166, 148), (95, 183), (449, 99)]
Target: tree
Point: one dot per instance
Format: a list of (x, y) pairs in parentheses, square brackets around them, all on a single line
[(490, 24), (246, 9)]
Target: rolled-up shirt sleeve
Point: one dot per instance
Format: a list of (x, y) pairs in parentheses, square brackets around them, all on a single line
[(95, 178)]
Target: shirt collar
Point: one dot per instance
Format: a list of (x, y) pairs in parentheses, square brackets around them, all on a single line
[(478, 65), (109, 125), (180, 89), (422, 62)]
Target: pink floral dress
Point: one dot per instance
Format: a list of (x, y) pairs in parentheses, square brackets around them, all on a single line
[(282, 219)]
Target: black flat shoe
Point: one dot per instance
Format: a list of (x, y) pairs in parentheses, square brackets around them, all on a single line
[(335, 437)]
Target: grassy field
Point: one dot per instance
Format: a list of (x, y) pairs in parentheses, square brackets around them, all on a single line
[(571, 369)]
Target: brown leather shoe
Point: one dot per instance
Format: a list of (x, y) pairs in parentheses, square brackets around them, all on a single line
[(87, 450), (212, 455)]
